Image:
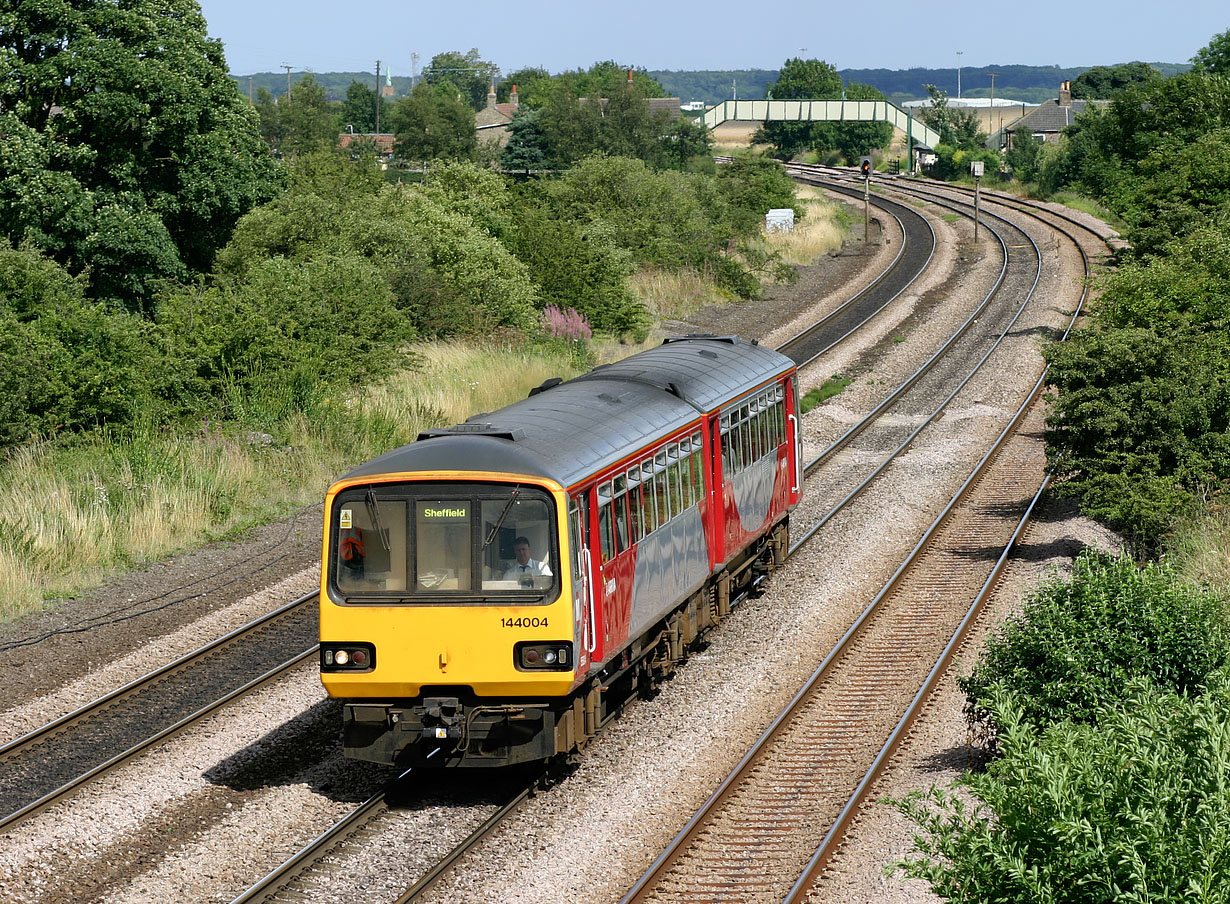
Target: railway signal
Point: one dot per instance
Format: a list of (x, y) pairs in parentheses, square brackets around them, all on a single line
[(864, 167)]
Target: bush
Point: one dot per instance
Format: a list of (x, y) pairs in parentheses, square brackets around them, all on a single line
[(271, 345), (1079, 642), (1132, 809), (66, 363)]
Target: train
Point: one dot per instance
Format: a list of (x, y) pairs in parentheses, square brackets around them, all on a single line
[(494, 592)]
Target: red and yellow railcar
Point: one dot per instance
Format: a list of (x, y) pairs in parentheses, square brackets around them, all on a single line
[(493, 592)]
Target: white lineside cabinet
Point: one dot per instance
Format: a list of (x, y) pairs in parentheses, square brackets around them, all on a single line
[(780, 219)]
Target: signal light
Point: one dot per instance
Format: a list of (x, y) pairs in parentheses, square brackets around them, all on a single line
[(864, 167)]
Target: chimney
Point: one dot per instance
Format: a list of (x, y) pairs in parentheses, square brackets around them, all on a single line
[(1065, 94), (491, 97), (629, 78), (512, 99)]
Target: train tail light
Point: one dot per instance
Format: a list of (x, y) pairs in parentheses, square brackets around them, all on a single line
[(552, 656), (347, 657)]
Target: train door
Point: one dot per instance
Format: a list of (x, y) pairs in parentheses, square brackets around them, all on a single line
[(582, 583), (618, 563), (717, 493)]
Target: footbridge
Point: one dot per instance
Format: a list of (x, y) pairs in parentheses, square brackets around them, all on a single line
[(918, 133)]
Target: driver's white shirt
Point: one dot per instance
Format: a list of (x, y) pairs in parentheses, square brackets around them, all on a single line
[(530, 568)]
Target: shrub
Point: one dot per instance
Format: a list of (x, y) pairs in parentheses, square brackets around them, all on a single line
[(270, 345), (65, 362), (1132, 809), (1078, 643)]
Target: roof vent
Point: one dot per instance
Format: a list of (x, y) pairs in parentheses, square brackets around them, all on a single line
[(546, 384), (473, 430), (710, 336)]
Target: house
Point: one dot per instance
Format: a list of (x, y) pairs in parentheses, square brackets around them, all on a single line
[(383, 141), (1044, 122), (492, 121)]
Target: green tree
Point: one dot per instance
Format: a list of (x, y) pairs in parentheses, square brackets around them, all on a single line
[(129, 150), (309, 124), (1079, 640), (1214, 57), (957, 127), (606, 77), (527, 149), (270, 113), (854, 139), (430, 123), (1107, 81), (801, 79), (359, 109), (66, 363), (533, 85), (465, 73), (571, 129)]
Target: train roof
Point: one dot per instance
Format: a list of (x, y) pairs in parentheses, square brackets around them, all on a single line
[(568, 431)]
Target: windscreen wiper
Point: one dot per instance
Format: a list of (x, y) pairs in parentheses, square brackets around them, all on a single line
[(373, 509), (495, 528)]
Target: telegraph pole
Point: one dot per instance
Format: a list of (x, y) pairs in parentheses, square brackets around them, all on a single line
[(959, 52), (377, 97), (287, 67)]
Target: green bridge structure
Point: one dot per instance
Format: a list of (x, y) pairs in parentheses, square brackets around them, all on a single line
[(918, 134)]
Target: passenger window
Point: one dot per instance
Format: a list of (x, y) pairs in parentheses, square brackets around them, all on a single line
[(637, 525), (621, 522), (606, 544), (676, 488), (604, 532)]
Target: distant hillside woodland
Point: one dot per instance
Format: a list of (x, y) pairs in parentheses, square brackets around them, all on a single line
[(1031, 84)]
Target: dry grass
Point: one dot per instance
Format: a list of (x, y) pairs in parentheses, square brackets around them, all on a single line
[(675, 295), (458, 379), (819, 232), (75, 515)]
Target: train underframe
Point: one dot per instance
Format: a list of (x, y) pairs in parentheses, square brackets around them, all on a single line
[(449, 726)]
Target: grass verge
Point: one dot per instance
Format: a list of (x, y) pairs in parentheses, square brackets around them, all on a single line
[(78, 512)]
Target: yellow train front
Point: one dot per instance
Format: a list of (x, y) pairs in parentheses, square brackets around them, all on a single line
[(488, 592)]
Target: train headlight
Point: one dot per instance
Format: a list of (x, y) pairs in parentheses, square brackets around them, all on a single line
[(347, 657), (551, 656)]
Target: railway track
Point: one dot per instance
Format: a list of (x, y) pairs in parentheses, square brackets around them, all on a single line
[(769, 828), (42, 766)]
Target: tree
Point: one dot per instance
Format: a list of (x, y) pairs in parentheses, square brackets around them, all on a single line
[(854, 139), (129, 150), (527, 149), (430, 123), (1107, 81), (1214, 58), (466, 73), (802, 79), (958, 128), (533, 85), (359, 109), (604, 78), (270, 113), (309, 125)]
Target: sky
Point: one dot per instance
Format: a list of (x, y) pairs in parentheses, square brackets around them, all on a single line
[(327, 36)]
